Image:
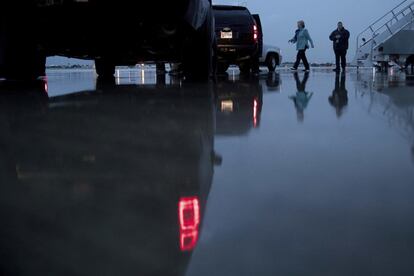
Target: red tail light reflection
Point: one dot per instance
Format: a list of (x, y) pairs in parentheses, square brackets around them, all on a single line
[(255, 112), (189, 219)]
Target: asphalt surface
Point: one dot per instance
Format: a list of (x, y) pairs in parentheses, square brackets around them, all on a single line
[(280, 174)]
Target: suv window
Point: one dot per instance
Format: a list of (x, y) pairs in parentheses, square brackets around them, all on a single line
[(235, 16)]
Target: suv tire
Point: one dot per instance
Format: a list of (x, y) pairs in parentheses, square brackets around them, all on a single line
[(222, 67), (271, 62), (105, 68), (245, 67), (20, 57)]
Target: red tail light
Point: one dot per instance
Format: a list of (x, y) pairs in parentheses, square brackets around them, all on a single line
[(189, 219), (255, 33)]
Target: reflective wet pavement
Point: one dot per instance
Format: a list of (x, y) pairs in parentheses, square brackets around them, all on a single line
[(282, 174)]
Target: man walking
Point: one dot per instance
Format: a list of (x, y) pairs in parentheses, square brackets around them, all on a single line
[(340, 38)]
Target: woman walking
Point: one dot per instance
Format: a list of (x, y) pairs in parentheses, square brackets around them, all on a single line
[(301, 39)]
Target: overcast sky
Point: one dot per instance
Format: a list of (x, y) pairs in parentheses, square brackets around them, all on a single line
[(279, 20)]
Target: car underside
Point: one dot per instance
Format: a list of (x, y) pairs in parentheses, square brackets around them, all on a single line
[(111, 34)]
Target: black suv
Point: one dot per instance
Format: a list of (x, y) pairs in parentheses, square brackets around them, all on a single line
[(239, 38), (109, 32)]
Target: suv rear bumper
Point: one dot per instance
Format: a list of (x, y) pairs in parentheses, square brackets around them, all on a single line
[(236, 53)]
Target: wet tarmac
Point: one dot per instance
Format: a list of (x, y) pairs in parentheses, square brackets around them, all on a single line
[(281, 174)]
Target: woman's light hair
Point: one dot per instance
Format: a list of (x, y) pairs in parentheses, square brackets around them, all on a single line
[(301, 23)]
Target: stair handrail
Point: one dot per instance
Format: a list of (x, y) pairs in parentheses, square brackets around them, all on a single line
[(391, 12), (374, 46), (377, 31), (396, 32)]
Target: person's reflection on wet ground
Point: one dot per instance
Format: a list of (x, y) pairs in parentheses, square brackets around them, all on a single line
[(302, 98), (339, 98)]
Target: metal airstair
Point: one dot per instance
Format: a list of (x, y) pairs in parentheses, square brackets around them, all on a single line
[(388, 40)]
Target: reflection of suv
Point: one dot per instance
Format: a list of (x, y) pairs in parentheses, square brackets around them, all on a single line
[(109, 32), (104, 203), (239, 106), (239, 38)]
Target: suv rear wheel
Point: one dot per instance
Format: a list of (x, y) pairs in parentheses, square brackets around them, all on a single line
[(105, 68), (245, 67), (272, 62), (222, 67), (20, 57)]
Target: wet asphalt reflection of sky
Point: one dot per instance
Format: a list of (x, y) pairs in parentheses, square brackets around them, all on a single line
[(323, 187)]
